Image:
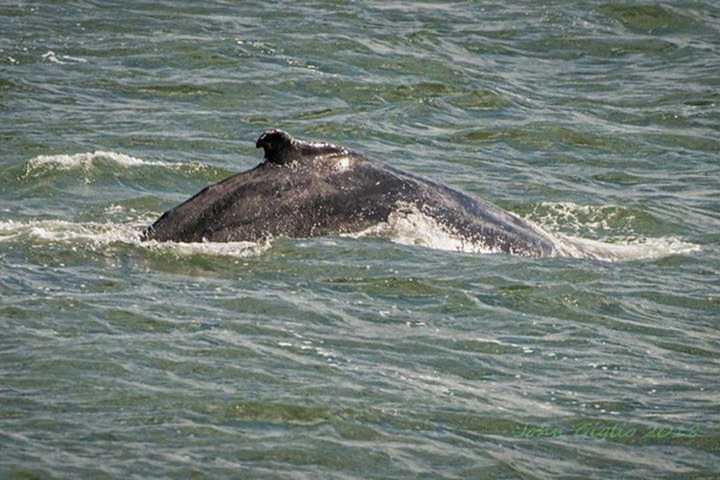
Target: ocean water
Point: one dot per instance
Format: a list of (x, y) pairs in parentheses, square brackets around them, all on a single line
[(360, 358)]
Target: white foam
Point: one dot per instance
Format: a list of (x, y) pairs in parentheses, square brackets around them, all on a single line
[(624, 249), (230, 249), (73, 59), (62, 231), (569, 216), (86, 162), (95, 236), (52, 58), (612, 222), (408, 225)]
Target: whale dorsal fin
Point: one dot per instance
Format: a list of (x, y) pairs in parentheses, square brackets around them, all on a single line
[(280, 148)]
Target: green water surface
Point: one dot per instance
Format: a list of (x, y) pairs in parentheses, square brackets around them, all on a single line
[(360, 358)]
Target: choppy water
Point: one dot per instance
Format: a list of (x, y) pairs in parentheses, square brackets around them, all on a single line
[(360, 358)]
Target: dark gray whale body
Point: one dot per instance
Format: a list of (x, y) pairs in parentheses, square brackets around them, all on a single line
[(305, 189)]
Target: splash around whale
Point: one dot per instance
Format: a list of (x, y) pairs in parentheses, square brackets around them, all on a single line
[(306, 189)]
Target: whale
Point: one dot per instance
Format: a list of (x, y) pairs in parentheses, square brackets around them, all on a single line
[(306, 189)]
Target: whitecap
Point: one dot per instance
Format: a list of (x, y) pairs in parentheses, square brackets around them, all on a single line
[(95, 236), (51, 57), (623, 249), (86, 161), (572, 217), (615, 223), (408, 225), (73, 59)]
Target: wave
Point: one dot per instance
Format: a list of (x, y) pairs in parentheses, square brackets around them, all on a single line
[(582, 220), (62, 59), (98, 161), (94, 236), (624, 250), (88, 160), (571, 225), (407, 226), (410, 226)]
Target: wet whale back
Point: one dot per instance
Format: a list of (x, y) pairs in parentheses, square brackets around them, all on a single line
[(313, 189), (301, 200), (477, 221)]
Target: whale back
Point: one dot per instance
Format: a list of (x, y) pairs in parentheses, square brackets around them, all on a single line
[(301, 190), (305, 189)]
